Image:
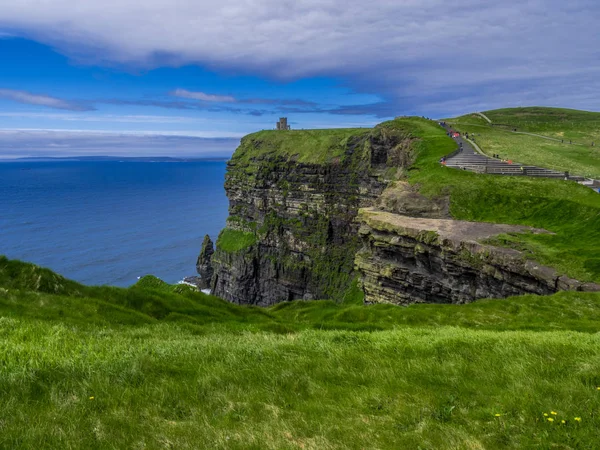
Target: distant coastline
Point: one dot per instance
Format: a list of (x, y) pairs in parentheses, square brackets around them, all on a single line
[(113, 158)]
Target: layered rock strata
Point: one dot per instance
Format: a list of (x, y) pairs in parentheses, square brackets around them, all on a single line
[(297, 216), (417, 260)]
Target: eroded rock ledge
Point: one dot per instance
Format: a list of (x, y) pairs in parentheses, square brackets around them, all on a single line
[(408, 260)]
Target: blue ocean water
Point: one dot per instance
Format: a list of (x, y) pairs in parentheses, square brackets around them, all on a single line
[(110, 222)]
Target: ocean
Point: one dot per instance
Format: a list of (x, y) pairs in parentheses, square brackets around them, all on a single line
[(111, 222)]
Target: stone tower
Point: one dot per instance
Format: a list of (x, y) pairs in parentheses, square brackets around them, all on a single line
[(282, 124)]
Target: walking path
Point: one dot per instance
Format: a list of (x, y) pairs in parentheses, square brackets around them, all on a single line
[(485, 117), (475, 146), (470, 157)]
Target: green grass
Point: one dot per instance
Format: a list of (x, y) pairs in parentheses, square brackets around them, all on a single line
[(581, 127), (100, 367), (553, 122), (151, 301), (231, 240), (568, 210), (304, 146), (163, 387)]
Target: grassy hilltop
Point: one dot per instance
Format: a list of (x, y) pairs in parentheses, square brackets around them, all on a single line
[(566, 125), (162, 366)]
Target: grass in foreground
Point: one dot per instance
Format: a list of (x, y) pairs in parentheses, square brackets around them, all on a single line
[(160, 366), (162, 386), (580, 127)]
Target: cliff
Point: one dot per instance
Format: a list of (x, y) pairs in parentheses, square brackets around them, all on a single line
[(294, 229), (294, 197), (410, 260)]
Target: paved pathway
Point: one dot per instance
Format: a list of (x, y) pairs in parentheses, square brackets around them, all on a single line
[(470, 157)]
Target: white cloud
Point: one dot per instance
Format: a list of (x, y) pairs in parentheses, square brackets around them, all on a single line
[(41, 100), (182, 93), (393, 48)]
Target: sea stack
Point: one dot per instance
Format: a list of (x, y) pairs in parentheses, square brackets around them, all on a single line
[(203, 265)]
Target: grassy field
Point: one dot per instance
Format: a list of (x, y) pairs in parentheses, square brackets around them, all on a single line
[(580, 127), (570, 124), (159, 366)]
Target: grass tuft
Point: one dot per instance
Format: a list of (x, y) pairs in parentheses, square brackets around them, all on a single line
[(232, 241)]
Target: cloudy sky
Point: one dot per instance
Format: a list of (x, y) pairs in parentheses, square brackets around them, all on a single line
[(189, 77)]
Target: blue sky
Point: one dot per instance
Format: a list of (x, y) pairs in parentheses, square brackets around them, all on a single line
[(189, 77)]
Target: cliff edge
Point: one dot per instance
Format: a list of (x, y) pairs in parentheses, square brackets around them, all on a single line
[(348, 214)]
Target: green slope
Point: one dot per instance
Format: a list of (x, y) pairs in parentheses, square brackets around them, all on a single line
[(160, 366), (554, 122), (576, 129)]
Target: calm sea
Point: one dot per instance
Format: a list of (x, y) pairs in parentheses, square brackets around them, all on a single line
[(111, 222)]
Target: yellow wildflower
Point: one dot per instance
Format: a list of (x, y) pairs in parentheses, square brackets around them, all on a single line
[(550, 419), (577, 419), (545, 414), (92, 398), (598, 388), (563, 421), (553, 413), (497, 415)]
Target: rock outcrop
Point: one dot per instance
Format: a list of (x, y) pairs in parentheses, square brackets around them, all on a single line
[(204, 264), (414, 260)]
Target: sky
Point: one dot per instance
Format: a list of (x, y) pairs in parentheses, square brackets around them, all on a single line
[(191, 77)]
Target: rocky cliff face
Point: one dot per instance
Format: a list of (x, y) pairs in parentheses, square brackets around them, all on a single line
[(413, 260), (297, 214), (294, 230)]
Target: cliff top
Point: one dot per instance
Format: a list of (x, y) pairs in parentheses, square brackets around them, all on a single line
[(304, 146)]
